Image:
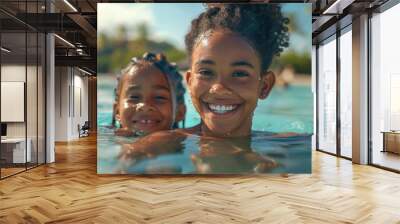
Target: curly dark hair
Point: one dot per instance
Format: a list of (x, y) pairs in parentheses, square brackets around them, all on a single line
[(263, 25), (170, 70)]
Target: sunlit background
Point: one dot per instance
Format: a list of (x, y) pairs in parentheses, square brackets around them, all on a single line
[(129, 30)]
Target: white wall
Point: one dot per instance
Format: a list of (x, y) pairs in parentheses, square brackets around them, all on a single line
[(61, 104), (71, 93), (33, 127), (80, 110), (12, 73), (16, 73)]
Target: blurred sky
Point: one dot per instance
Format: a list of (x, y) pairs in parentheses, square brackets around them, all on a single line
[(171, 21)]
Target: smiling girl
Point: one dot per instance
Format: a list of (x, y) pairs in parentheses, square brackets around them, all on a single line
[(231, 48), (149, 96)]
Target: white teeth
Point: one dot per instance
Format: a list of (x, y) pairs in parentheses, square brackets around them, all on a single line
[(221, 108), (146, 121)]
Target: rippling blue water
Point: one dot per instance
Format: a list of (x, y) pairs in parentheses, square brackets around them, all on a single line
[(285, 110)]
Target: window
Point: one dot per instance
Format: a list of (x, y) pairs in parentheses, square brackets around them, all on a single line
[(327, 96), (346, 93), (385, 89)]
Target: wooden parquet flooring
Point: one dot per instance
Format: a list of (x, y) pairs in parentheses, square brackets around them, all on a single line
[(70, 191), (10, 171)]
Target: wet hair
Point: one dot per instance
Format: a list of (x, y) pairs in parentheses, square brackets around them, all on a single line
[(170, 70), (262, 25)]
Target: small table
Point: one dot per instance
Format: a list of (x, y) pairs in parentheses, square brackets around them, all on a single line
[(391, 141)]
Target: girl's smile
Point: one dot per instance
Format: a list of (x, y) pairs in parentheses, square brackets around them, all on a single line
[(221, 107), (146, 118), (146, 100), (146, 122), (225, 83), (149, 96)]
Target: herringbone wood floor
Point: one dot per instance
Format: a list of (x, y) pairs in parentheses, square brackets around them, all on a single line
[(70, 191)]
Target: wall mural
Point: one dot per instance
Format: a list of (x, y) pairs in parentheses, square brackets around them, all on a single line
[(204, 88)]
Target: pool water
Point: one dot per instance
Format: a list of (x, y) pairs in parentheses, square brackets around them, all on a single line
[(285, 110)]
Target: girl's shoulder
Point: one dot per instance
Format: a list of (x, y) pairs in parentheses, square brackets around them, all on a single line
[(278, 136)]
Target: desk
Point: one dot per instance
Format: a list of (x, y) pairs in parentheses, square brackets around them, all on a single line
[(16, 147), (391, 141)]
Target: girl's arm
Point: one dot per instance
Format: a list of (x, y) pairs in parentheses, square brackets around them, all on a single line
[(157, 143)]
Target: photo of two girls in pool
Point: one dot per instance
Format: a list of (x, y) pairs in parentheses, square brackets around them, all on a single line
[(200, 116)]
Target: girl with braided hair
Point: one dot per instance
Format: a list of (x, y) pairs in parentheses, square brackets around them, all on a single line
[(149, 97)]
